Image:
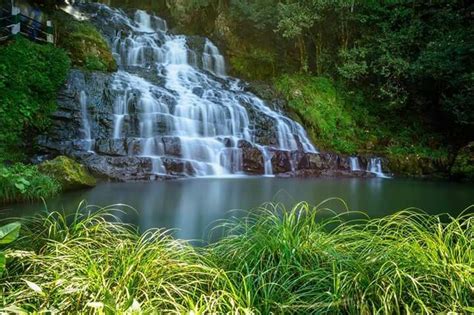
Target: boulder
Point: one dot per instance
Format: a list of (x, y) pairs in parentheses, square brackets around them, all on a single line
[(281, 161), (252, 158), (70, 174)]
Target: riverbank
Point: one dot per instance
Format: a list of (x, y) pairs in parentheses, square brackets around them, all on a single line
[(271, 261)]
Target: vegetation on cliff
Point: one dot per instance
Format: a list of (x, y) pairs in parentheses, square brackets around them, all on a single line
[(84, 44), (304, 260), (70, 174), (30, 76)]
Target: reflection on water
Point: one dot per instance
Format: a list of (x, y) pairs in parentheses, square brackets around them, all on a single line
[(191, 205)]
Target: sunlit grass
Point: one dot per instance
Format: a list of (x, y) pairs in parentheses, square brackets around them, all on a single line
[(303, 260)]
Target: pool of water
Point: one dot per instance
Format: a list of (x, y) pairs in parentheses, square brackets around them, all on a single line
[(191, 206)]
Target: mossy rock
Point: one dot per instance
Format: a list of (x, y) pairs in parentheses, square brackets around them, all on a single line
[(417, 165), (85, 45), (70, 174), (463, 167)]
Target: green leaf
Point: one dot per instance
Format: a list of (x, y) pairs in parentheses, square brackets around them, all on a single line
[(21, 187), (9, 232), (24, 181)]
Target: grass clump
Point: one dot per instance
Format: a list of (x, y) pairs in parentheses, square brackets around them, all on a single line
[(21, 182), (303, 260), (86, 264), (297, 261)]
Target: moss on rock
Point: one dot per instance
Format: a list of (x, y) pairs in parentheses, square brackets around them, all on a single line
[(463, 166), (70, 174), (84, 43)]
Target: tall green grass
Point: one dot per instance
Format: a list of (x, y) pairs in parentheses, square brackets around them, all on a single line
[(302, 260)]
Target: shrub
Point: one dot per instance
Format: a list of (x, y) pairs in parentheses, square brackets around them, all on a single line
[(25, 183)]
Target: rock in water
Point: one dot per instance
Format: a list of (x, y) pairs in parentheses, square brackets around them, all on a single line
[(70, 174)]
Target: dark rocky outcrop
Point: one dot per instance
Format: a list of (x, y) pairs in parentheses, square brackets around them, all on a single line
[(463, 167)]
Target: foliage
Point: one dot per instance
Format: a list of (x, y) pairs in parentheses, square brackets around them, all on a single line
[(303, 260), (86, 47), (21, 182), (256, 63), (30, 75), (8, 233), (322, 110), (463, 166)]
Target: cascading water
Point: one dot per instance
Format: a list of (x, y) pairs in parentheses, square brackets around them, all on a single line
[(375, 167), (171, 101), (85, 121), (212, 60), (354, 162)]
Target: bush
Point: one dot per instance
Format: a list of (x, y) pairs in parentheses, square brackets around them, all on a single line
[(25, 183), (30, 76)]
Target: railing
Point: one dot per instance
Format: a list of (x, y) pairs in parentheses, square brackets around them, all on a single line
[(13, 23)]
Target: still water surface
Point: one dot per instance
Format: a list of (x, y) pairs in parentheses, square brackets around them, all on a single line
[(191, 206)]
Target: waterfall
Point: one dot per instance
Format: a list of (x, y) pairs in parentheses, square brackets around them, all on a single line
[(85, 121), (375, 167), (354, 161), (176, 103), (267, 160), (212, 59)]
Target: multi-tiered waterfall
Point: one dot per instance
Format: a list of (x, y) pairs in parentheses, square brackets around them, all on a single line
[(167, 94), (171, 110)]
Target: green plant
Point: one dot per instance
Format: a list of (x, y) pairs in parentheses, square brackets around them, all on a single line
[(312, 260), (30, 76), (84, 44), (25, 183), (322, 109), (274, 260), (8, 233)]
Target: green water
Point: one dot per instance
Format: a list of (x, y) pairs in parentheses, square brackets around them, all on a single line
[(191, 206)]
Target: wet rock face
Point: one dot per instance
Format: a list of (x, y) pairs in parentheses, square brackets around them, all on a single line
[(252, 158), (282, 162), (118, 159)]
